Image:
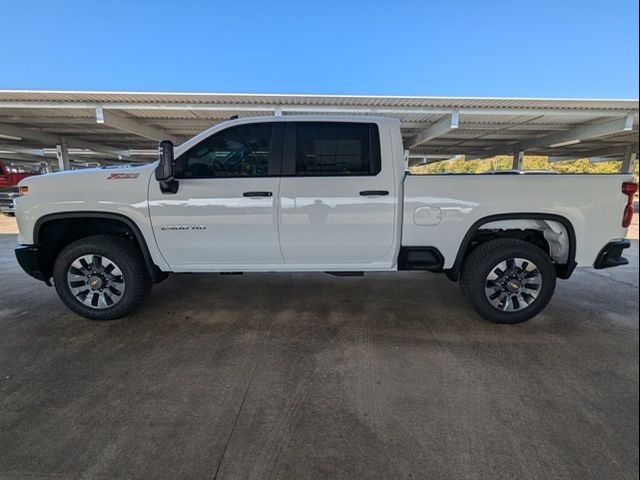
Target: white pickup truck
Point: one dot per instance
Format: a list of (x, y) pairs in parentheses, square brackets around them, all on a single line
[(314, 193)]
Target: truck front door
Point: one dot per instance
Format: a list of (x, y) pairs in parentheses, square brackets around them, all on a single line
[(224, 214)]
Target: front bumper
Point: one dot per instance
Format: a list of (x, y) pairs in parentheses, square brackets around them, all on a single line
[(611, 255), (28, 258)]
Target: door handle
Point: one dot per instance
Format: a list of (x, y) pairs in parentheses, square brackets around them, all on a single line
[(257, 194), (369, 193)]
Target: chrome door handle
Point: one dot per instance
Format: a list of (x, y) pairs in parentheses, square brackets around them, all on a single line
[(257, 194), (379, 193)]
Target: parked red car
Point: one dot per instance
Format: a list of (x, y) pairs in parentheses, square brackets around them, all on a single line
[(9, 179)]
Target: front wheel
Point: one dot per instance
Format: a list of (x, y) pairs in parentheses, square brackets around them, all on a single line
[(508, 280), (101, 277)]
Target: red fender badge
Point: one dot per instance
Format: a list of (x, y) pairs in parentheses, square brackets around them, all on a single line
[(122, 176)]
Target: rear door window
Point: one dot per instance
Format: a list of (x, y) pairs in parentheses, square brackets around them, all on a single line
[(336, 149)]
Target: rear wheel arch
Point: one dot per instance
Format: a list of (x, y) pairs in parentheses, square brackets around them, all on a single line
[(563, 270), (55, 231)]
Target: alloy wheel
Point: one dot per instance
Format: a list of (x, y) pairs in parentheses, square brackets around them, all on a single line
[(96, 281), (513, 284)]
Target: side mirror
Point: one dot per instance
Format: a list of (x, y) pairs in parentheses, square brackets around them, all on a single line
[(165, 169)]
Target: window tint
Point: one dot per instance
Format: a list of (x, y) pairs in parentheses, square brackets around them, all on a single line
[(241, 151), (336, 149)]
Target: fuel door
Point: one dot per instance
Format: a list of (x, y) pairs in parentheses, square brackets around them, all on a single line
[(427, 216)]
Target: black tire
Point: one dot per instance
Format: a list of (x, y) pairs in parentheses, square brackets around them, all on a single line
[(483, 261), (124, 254)]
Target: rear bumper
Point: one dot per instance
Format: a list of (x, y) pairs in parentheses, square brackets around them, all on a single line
[(611, 255), (27, 256)]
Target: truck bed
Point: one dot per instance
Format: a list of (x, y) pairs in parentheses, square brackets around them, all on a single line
[(440, 209)]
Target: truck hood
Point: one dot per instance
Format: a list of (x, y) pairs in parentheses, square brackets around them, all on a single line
[(95, 189)]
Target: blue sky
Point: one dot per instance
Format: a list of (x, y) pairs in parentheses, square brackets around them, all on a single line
[(586, 49)]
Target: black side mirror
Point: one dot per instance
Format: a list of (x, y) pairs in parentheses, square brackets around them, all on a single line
[(165, 169)]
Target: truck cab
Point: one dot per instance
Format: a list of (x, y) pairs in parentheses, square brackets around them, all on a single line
[(275, 195)]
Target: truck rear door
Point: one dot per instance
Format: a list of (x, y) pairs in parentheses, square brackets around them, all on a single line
[(337, 197)]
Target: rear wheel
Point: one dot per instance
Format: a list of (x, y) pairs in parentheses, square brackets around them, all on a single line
[(508, 280), (101, 277)]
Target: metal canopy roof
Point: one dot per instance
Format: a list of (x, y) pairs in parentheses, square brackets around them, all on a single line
[(127, 126)]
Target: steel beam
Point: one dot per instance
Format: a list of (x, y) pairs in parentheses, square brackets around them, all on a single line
[(30, 154), (131, 125), (21, 157), (36, 152), (296, 108), (623, 124), (48, 138), (617, 151), (567, 138), (441, 127)]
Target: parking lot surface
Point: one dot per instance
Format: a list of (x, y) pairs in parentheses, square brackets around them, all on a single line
[(313, 376)]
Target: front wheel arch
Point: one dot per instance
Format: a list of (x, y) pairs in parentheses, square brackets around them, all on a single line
[(55, 231)]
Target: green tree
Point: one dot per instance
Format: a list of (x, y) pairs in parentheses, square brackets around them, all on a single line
[(460, 165)]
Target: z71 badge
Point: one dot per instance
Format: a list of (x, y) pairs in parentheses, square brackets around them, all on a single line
[(122, 176)]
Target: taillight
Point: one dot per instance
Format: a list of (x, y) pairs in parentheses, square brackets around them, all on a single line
[(629, 189)]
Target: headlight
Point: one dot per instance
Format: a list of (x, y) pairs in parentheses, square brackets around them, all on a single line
[(23, 190)]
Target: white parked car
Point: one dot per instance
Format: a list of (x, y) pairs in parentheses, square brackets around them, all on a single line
[(314, 193)]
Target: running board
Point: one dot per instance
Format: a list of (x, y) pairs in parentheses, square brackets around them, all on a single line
[(346, 274)]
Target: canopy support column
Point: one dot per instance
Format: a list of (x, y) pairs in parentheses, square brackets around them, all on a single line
[(518, 158), (628, 161), (63, 155)]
